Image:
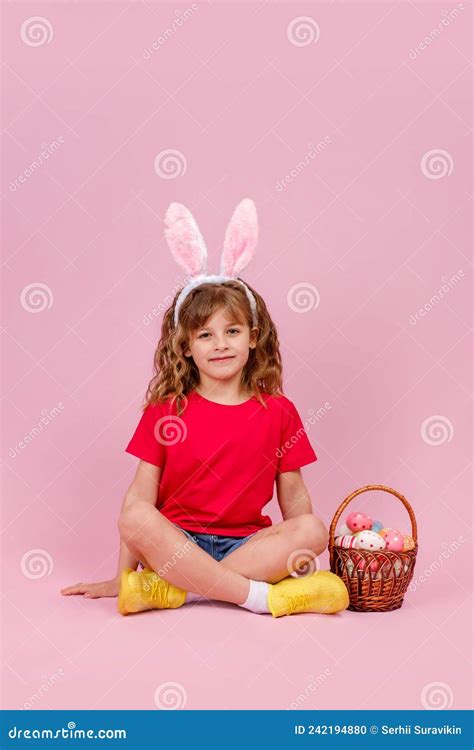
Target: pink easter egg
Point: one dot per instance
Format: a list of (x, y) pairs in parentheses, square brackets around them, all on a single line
[(375, 565), (393, 539), (347, 541), (381, 559), (357, 521), (362, 564)]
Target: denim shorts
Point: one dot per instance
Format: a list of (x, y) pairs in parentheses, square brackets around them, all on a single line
[(215, 545)]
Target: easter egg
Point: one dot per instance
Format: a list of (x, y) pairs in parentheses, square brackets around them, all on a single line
[(397, 567), (408, 543), (373, 566), (362, 564), (382, 560), (358, 521), (369, 540), (343, 530), (347, 541), (393, 539), (377, 526)]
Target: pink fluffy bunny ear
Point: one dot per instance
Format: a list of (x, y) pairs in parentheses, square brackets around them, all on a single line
[(240, 239), (185, 240)]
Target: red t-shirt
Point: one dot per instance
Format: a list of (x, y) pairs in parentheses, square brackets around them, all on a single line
[(220, 462)]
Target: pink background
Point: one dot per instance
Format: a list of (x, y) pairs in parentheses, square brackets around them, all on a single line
[(362, 223)]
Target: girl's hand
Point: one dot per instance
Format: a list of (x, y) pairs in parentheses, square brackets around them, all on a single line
[(94, 590)]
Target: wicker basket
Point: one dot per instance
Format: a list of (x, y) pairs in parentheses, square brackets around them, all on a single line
[(369, 590)]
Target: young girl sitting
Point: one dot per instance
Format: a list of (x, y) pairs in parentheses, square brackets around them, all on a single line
[(215, 435)]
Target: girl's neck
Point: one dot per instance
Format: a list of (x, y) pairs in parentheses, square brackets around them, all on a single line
[(222, 395)]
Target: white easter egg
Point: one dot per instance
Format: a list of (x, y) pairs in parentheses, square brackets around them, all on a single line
[(343, 530), (347, 541), (369, 540)]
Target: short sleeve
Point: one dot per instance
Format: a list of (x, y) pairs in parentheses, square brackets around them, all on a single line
[(145, 442), (294, 450)]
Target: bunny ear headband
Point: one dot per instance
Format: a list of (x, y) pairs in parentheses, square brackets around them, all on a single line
[(189, 250)]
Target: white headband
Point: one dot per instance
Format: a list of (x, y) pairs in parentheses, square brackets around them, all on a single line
[(189, 250), (202, 279)]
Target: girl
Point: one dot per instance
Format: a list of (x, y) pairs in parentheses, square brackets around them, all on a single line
[(215, 435)]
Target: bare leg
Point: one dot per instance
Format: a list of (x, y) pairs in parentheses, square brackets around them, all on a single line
[(271, 554), (165, 549)]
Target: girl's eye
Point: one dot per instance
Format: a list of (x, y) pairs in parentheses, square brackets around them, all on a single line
[(202, 335)]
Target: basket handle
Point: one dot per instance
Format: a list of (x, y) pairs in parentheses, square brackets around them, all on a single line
[(368, 488)]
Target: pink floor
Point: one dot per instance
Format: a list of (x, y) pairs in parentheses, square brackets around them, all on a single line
[(67, 653)]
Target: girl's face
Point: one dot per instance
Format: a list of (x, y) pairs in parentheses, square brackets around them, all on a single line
[(221, 348)]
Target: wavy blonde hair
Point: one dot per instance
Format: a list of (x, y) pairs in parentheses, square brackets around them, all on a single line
[(175, 375)]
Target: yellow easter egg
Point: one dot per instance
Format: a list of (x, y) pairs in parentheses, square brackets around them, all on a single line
[(408, 543)]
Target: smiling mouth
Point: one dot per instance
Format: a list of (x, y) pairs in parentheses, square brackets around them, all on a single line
[(221, 359)]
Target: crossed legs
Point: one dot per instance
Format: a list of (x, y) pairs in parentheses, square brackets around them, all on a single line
[(162, 547)]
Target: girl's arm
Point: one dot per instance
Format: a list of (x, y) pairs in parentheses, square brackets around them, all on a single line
[(292, 493), (144, 486)]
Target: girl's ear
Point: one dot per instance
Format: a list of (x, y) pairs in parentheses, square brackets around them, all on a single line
[(185, 240), (240, 239)]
